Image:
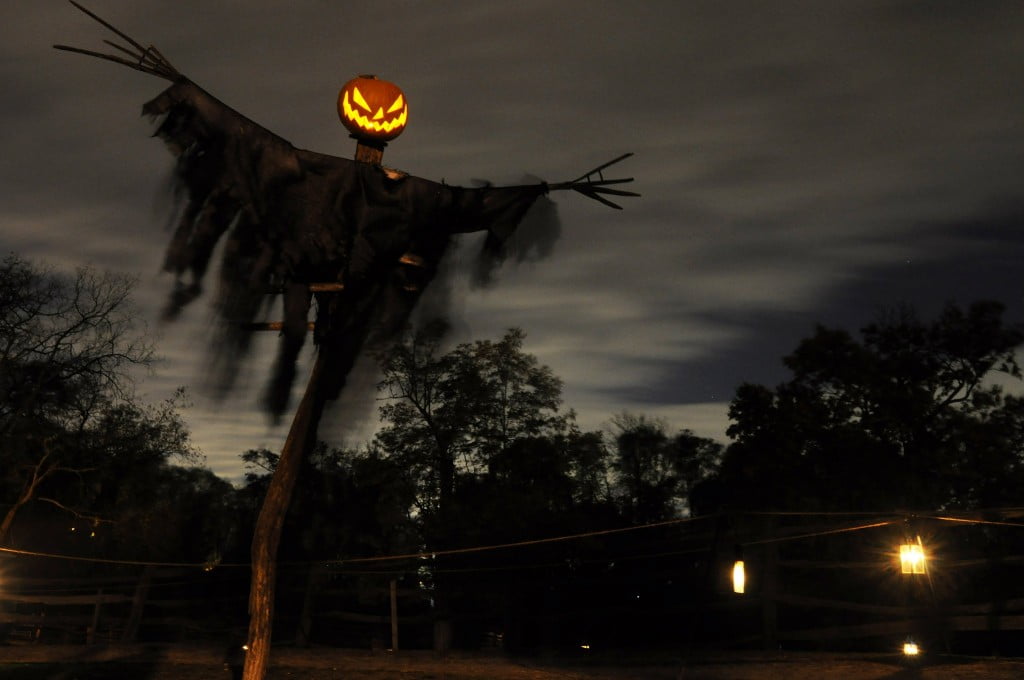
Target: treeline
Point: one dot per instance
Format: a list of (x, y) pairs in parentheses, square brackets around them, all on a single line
[(477, 450)]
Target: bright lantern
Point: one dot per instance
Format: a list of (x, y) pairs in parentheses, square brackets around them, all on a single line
[(739, 577), (912, 558), (910, 648), (372, 109)]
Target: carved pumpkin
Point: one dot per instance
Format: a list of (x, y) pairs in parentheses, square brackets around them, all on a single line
[(372, 109)]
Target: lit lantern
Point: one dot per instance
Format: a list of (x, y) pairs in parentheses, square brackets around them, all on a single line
[(372, 109), (739, 577), (912, 559), (910, 648)]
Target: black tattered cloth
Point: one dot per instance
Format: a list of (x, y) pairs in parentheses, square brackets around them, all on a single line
[(293, 218)]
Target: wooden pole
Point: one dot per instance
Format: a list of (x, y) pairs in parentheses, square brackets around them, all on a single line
[(394, 615), (131, 628), (304, 631), (369, 151), (769, 589), (90, 633), (267, 535)]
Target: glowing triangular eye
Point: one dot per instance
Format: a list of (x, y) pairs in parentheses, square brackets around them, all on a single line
[(399, 103), (358, 96)]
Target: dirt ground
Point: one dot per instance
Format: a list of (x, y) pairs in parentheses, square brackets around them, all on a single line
[(41, 662)]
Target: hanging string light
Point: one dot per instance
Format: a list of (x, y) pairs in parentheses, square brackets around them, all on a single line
[(739, 575)]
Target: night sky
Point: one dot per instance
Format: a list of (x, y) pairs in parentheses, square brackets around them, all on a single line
[(800, 162)]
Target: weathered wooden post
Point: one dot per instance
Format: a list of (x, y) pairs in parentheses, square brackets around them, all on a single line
[(394, 615), (131, 627), (267, 534), (90, 632), (769, 587)]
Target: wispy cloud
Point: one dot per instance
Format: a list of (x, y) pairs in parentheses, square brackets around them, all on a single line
[(800, 162)]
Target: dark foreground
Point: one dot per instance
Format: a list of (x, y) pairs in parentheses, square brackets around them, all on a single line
[(184, 663)]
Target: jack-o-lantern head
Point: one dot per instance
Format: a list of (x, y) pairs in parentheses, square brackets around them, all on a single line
[(372, 109)]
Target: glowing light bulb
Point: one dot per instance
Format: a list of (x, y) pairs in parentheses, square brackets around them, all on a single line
[(739, 577), (912, 560)]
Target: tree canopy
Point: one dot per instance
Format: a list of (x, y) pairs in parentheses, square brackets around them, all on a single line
[(907, 416), (463, 408), (654, 472), (72, 432)]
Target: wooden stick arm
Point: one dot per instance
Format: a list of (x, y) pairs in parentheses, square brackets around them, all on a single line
[(593, 184), (145, 59)]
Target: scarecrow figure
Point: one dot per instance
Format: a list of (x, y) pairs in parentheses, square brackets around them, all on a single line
[(359, 240)]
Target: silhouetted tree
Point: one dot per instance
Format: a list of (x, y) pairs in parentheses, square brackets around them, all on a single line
[(69, 348), (653, 472), (906, 416), (454, 417), (455, 412), (133, 483)]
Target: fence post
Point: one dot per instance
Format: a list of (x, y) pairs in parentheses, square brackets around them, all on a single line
[(769, 587), (131, 627), (90, 632), (304, 631), (394, 615)]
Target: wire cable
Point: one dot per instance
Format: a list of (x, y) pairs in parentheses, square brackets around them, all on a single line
[(961, 520), (515, 544), (101, 560), (433, 554), (361, 560), (830, 532)]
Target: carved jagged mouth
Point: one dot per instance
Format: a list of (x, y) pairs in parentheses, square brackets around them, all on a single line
[(374, 121)]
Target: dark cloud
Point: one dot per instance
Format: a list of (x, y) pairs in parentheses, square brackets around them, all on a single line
[(800, 162), (959, 262)]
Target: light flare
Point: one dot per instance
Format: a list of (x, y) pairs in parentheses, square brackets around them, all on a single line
[(912, 559)]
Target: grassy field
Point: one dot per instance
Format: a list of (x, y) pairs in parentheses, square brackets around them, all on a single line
[(180, 663)]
